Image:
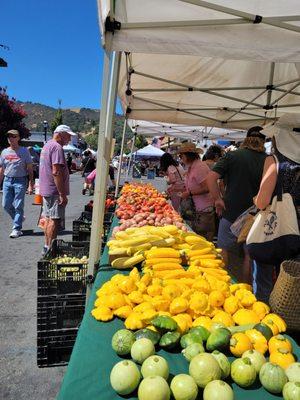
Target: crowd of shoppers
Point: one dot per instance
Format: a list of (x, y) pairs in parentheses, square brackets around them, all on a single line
[(218, 188)]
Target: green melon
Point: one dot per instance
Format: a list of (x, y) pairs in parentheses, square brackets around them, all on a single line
[(122, 341)]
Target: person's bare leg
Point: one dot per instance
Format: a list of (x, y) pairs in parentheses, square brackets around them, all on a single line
[(52, 230), (46, 231)]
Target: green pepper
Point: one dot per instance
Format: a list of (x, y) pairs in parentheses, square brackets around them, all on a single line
[(169, 340), (164, 323), (188, 339)]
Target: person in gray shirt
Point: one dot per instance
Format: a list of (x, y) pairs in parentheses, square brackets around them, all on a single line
[(15, 167)]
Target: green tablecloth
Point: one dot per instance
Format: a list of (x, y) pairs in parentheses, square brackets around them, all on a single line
[(87, 376)]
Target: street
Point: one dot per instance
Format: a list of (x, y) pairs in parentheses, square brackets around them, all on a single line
[(20, 378), (19, 375)]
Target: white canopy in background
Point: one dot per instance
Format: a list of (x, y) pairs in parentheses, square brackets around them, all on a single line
[(149, 151), (197, 133), (71, 148)]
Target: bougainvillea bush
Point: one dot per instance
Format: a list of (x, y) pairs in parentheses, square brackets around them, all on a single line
[(11, 117)]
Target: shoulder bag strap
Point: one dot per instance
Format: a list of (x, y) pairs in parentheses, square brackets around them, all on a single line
[(278, 191), (178, 172)]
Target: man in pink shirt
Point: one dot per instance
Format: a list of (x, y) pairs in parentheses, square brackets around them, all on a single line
[(54, 181)]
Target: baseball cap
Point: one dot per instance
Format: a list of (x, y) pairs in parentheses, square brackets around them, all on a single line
[(64, 128), (255, 131), (13, 132)]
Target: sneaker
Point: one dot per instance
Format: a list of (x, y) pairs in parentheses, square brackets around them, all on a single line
[(45, 249), (15, 233)]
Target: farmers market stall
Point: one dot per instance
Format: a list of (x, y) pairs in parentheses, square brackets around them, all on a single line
[(87, 376), (93, 357)]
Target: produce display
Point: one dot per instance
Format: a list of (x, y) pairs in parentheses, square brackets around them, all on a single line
[(69, 260), (141, 204), (178, 296)]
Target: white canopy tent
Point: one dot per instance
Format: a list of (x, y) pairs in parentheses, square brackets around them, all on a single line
[(193, 90), (260, 30), (148, 151), (196, 133), (70, 148), (231, 63)]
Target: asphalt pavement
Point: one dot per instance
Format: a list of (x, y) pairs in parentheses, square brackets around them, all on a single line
[(20, 378)]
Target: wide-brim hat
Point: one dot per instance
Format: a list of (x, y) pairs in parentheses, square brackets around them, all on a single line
[(286, 132), (189, 147)]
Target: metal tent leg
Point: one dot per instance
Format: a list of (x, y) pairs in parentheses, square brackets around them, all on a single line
[(108, 101), (121, 158)]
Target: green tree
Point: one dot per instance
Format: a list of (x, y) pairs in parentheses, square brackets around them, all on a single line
[(140, 142), (92, 140), (58, 120)]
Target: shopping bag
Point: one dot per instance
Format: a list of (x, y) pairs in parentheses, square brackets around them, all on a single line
[(274, 235), (242, 225), (187, 208)]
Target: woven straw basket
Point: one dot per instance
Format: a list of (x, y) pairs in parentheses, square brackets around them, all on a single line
[(285, 297)]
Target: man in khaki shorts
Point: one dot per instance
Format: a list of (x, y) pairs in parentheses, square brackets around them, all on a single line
[(54, 181)]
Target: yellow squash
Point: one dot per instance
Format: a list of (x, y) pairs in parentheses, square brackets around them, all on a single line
[(282, 357), (280, 342), (239, 343)]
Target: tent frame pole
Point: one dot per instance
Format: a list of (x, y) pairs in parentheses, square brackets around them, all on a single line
[(121, 157), (176, 109), (108, 101), (131, 151), (285, 94), (285, 90), (191, 88), (195, 89), (269, 95), (247, 16), (279, 22), (178, 24), (248, 103)]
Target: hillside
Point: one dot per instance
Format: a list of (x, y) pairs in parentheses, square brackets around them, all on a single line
[(81, 120)]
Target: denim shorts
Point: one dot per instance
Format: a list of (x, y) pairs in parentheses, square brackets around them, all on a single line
[(52, 209), (226, 239)]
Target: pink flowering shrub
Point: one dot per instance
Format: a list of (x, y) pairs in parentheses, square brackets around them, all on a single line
[(11, 116)]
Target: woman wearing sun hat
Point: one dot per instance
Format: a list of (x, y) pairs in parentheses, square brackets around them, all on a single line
[(195, 182), (285, 161)]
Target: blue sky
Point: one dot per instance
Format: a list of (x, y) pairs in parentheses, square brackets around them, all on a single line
[(55, 51)]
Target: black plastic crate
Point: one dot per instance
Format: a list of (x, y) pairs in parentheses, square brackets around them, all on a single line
[(82, 229), (54, 347), (58, 279), (59, 312)]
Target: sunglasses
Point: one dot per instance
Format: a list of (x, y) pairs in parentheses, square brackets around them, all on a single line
[(13, 136)]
